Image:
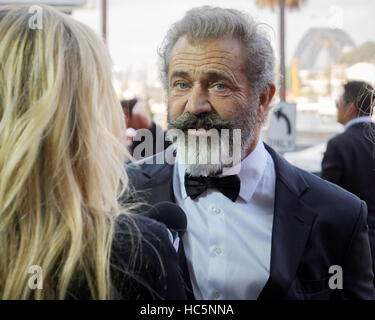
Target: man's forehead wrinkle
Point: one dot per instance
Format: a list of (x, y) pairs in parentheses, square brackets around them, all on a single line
[(214, 67), (227, 58), (200, 63), (202, 60), (230, 53)]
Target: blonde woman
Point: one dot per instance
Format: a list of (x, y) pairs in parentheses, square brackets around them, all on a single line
[(61, 168)]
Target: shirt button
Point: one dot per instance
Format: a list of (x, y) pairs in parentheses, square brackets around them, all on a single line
[(216, 210), (218, 251), (216, 295)]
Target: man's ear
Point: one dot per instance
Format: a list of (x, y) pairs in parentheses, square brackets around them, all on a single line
[(351, 110), (265, 99)]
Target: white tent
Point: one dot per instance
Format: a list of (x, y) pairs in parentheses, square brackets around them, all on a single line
[(362, 71)]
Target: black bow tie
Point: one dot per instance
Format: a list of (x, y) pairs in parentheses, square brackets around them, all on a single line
[(228, 186)]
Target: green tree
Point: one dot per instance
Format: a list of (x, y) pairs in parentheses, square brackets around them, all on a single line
[(364, 53)]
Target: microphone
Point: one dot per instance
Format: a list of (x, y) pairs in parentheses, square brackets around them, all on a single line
[(172, 216)]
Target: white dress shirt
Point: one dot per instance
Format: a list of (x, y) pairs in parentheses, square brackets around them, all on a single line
[(228, 244)]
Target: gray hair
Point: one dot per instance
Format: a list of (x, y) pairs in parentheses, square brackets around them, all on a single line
[(207, 23)]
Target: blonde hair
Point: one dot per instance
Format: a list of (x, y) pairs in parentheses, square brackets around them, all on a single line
[(61, 156)]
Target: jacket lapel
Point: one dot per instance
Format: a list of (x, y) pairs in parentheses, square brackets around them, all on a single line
[(150, 183), (291, 228)]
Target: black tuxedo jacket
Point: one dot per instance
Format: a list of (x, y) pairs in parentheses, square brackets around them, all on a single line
[(316, 225), (349, 162)]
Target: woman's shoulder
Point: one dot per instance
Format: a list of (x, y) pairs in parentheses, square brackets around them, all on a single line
[(143, 251), (145, 231)]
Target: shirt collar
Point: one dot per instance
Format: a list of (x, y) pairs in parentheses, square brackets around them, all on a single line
[(181, 175), (250, 170), (357, 120)]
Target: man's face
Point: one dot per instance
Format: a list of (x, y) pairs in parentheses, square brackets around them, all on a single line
[(340, 109), (208, 88), (207, 77), (345, 111)]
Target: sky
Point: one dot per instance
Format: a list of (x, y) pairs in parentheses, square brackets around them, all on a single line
[(136, 27)]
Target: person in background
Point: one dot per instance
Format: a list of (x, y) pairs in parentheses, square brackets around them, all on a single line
[(138, 119), (61, 168), (349, 160)]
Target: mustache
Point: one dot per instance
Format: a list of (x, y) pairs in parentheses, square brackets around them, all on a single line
[(201, 121)]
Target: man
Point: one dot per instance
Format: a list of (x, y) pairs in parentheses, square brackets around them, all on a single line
[(148, 137), (349, 160), (258, 228)]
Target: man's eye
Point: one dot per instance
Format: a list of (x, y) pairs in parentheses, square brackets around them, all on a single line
[(220, 86), (181, 85)]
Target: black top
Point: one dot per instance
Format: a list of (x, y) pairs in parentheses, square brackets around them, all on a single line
[(350, 163), (153, 274), (156, 266)]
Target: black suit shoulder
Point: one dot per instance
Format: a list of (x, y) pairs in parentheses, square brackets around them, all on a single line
[(338, 210), (357, 133), (342, 145), (349, 161), (329, 193), (142, 172)]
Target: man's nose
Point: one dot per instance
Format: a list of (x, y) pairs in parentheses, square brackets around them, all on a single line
[(198, 101)]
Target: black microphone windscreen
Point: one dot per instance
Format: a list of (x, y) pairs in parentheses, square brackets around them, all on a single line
[(170, 214)]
